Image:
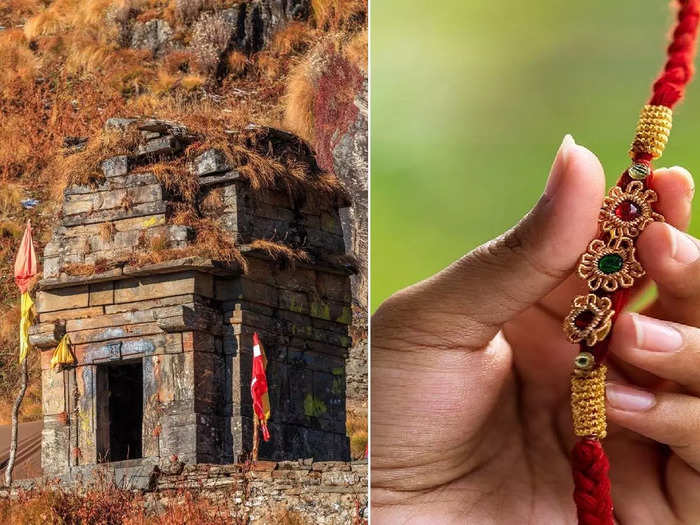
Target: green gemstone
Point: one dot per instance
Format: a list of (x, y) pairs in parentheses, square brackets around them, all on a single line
[(610, 263)]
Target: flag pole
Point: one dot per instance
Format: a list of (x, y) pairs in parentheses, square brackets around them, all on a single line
[(25, 270), (256, 438), (15, 424)]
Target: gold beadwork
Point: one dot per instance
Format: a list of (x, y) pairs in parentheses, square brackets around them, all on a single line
[(588, 403), (636, 195), (653, 129), (624, 270), (598, 310)]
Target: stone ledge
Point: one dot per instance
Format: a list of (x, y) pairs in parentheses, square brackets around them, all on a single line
[(200, 264), (248, 251)]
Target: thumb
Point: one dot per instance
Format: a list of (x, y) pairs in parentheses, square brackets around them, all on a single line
[(477, 294)]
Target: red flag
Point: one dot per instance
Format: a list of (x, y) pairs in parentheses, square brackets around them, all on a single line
[(25, 264), (258, 386)]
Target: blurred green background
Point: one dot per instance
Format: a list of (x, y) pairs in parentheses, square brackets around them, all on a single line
[(470, 101)]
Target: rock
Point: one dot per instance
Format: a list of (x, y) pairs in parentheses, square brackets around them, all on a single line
[(116, 166), (260, 20), (213, 180), (75, 144), (118, 124), (161, 146), (211, 162), (153, 35), (350, 165)]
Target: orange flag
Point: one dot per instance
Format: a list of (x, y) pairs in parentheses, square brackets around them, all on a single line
[(258, 387), (25, 264)]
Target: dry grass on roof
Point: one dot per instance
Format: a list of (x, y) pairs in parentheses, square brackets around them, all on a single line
[(85, 167), (176, 177), (281, 252)]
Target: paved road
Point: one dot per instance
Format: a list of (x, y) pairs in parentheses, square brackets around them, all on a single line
[(28, 462)]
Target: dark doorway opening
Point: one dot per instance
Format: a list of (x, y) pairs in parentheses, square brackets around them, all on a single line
[(120, 411)]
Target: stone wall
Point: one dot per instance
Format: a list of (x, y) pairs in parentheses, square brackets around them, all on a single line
[(331, 492), (315, 492)]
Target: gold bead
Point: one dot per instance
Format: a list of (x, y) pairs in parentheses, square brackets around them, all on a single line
[(638, 171), (584, 362), (653, 130), (588, 402)]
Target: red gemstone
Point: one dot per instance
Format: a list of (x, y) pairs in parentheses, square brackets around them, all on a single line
[(583, 319), (627, 211)]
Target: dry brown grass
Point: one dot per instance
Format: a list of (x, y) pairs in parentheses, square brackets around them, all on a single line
[(237, 63), (107, 231), (281, 252), (176, 178), (356, 50), (356, 428), (10, 196), (299, 100), (85, 167), (10, 231), (103, 502), (10, 370), (80, 269), (335, 15), (213, 202)]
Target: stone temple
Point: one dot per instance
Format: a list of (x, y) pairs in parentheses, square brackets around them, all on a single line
[(163, 350)]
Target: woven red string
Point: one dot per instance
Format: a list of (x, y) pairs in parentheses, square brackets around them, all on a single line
[(670, 85), (589, 463), (591, 483)]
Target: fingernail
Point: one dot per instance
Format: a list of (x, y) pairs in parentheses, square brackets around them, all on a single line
[(656, 336), (683, 249), (559, 165), (689, 176), (628, 398)]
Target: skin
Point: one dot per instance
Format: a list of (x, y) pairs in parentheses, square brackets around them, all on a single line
[(470, 372)]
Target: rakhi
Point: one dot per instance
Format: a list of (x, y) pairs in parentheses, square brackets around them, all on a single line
[(610, 269)]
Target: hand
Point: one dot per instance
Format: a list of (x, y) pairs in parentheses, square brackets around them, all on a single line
[(470, 372)]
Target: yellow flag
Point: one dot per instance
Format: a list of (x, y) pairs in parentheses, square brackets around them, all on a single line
[(24, 324), (62, 355)]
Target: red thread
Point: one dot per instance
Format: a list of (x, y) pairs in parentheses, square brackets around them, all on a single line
[(589, 463), (590, 467), (678, 70)]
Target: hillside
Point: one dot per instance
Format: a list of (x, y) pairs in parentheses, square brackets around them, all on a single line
[(212, 65)]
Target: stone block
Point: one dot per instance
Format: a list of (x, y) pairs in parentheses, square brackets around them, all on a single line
[(77, 206), (167, 145), (115, 332), (244, 288), (147, 288), (101, 293), (75, 313), (63, 299), (115, 166), (52, 392), (222, 178), (293, 301), (139, 210), (211, 162), (54, 450), (116, 124), (186, 299), (51, 266)]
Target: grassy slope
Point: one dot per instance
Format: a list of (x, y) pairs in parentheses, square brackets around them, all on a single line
[(65, 72)]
